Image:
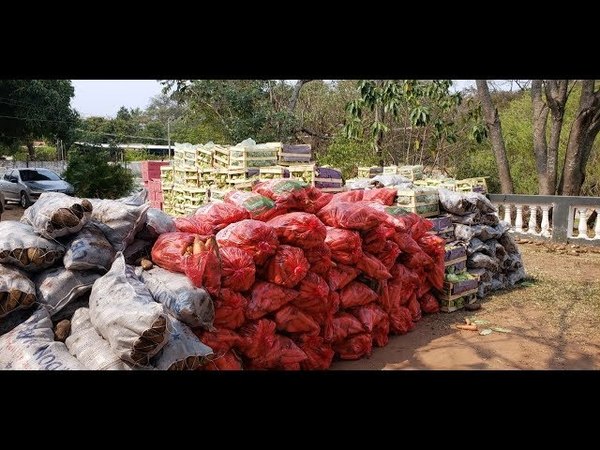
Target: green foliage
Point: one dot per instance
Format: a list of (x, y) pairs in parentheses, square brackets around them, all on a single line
[(347, 154), (34, 109), (45, 153), (137, 155), (93, 175)]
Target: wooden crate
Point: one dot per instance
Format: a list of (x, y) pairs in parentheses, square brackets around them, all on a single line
[(454, 261), (457, 302), (423, 203), (273, 173), (476, 184), (218, 195), (390, 170), (166, 174), (221, 157), (369, 172), (260, 155), (304, 172), (411, 172), (294, 154)]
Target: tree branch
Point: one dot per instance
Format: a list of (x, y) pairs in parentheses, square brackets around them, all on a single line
[(296, 93)]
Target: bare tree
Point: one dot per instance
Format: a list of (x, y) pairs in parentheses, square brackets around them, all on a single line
[(492, 120), (584, 130), (546, 152)]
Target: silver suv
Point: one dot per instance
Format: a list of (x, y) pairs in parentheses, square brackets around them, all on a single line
[(24, 186)]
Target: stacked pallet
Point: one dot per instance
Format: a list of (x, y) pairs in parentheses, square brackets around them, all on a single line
[(151, 175)]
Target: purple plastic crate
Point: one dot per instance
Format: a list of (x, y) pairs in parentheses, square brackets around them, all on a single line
[(325, 172), (454, 251), (441, 223), (464, 286), (296, 153)]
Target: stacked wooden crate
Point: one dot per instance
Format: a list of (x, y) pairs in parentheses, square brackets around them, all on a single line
[(460, 286), (411, 172), (295, 154), (423, 201)]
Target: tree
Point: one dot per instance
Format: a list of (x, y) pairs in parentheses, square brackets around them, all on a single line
[(93, 176), (36, 109), (584, 130), (408, 121), (546, 152), (238, 109), (492, 120)]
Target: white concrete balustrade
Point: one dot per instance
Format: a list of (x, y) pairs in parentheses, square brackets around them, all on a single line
[(531, 226), (578, 223)]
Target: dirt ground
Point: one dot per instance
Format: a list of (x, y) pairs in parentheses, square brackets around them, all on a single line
[(12, 212), (554, 323)]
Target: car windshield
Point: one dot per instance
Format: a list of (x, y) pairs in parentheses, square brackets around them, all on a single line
[(38, 175)]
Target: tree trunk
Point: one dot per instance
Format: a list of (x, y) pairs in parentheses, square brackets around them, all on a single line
[(492, 119), (546, 153), (583, 132), (296, 94), (31, 151)]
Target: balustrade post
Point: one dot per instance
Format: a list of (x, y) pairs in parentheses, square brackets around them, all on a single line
[(507, 213), (532, 219), (545, 221), (597, 227), (519, 219), (582, 228)]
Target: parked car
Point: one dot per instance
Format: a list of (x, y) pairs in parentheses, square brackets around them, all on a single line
[(24, 186)]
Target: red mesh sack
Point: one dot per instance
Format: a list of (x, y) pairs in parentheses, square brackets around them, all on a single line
[(220, 214), (424, 288), (268, 297), (284, 355), (169, 248), (258, 206), (203, 267), (356, 294), (292, 320), (257, 338), (348, 196), (237, 269), (299, 229), (372, 267), (389, 254), (405, 243), (192, 225), (375, 320), (394, 216), (319, 259), (287, 193), (288, 267), (373, 241), (414, 307), (340, 275), (228, 361), (229, 309), (220, 340), (344, 325), (254, 237), (313, 297), (384, 298), (403, 284), (435, 247), (429, 304), (312, 287), (400, 320), (417, 261), (316, 200), (345, 245), (354, 347), (319, 353), (369, 316), (384, 196), (420, 227), (353, 216)]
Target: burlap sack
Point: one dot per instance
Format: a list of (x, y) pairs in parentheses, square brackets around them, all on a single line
[(17, 291), (55, 214), (124, 312), (89, 347), (56, 288), (183, 350), (31, 346), (20, 246), (89, 250)]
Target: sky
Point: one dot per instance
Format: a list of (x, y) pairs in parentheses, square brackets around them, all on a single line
[(105, 97)]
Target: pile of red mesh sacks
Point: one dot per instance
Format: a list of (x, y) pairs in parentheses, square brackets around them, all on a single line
[(299, 277)]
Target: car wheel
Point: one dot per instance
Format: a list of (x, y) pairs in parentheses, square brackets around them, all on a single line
[(24, 200)]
